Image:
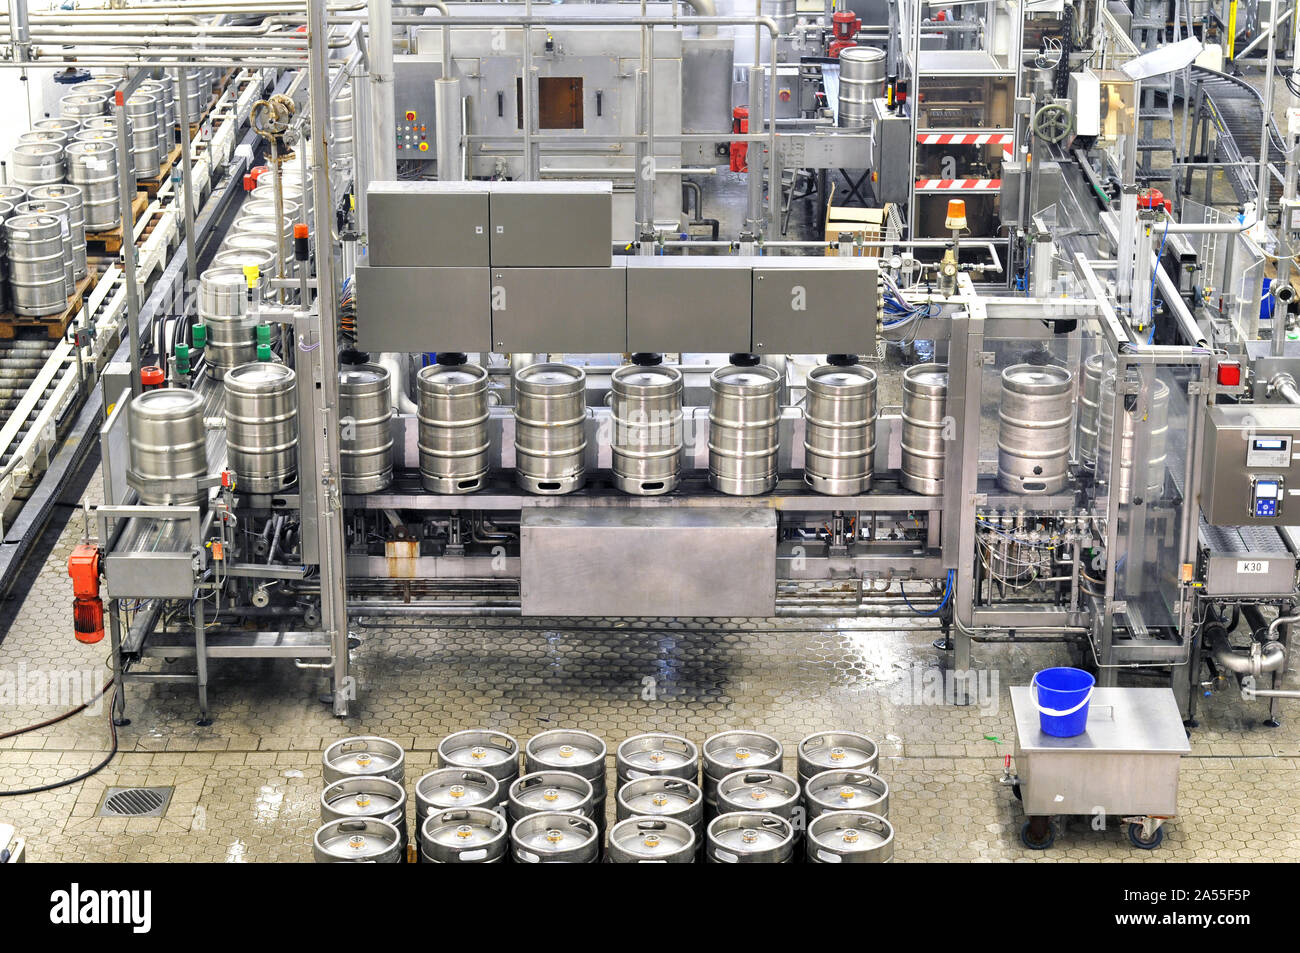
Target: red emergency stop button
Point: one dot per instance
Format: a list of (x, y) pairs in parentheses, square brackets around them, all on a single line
[(1229, 373), (410, 115)]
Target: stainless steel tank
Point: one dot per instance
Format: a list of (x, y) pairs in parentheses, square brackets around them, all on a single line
[(1089, 401), (452, 406), (264, 191), (849, 837), (646, 416), (104, 129), (63, 212), (363, 754), (365, 796), (262, 426), (366, 436), (364, 840), (37, 163), (247, 223), (744, 435), (262, 259), (71, 196), (92, 167), (1035, 428), (451, 789), (341, 123), (65, 125), (749, 837), (83, 106), (567, 749), (1156, 424), (840, 429), (555, 838), (59, 137), (195, 99), (662, 797), (767, 791), (550, 428), (167, 442), (38, 264), (656, 755), (224, 307), (824, 750), (6, 212), (13, 194), (924, 443), (539, 792), (731, 751), (164, 113), (253, 242), (472, 835), (651, 840), (862, 79), (492, 751), (846, 790), (142, 112), (265, 208)]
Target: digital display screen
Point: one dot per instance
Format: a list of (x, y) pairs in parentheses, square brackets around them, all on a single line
[(1270, 443), (1266, 490)]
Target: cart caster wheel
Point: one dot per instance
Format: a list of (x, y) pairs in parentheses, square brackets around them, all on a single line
[(1015, 789), (1027, 839), (1142, 843)]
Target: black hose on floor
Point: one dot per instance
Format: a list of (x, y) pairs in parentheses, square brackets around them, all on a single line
[(89, 772)]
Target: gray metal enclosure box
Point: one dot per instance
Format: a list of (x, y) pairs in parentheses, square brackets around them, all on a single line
[(569, 310), (427, 224), (423, 309), (692, 304), (669, 562), (1228, 467), (552, 224), (826, 305)]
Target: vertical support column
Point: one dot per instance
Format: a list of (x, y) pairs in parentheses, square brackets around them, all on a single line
[(447, 130), (644, 175), (187, 172), (961, 473), (322, 427), (754, 214), (126, 201), (20, 38), (382, 146)]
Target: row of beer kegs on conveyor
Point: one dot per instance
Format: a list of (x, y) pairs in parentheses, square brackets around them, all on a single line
[(726, 801)]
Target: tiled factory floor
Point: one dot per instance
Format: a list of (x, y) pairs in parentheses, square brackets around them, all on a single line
[(246, 787)]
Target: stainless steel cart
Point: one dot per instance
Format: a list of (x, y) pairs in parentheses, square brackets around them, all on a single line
[(1125, 764)]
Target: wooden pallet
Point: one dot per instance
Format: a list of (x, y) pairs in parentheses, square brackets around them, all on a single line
[(111, 240), (54, 325), (152, 185)]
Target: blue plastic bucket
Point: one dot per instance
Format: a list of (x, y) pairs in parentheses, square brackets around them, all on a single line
[(1062, 696)]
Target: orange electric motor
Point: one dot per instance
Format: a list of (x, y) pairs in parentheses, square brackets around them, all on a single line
[(87, 607)]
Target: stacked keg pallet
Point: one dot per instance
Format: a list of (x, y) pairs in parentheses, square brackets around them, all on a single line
[(478, 807)]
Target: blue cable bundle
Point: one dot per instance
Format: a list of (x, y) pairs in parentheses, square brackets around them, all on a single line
[(947, 594)]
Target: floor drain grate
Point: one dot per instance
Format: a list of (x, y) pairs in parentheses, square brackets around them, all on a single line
[(135, 802)]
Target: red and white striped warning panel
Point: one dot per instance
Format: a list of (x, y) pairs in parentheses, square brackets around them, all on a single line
[(957, 139), (958, 185)]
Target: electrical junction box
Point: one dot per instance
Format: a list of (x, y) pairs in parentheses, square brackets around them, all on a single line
[(1085, 97), (1251, 469)]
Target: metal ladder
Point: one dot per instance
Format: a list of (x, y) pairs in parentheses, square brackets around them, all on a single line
[(1156, 106)]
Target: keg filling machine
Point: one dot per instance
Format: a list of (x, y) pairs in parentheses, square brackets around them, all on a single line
[(510, 391)]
